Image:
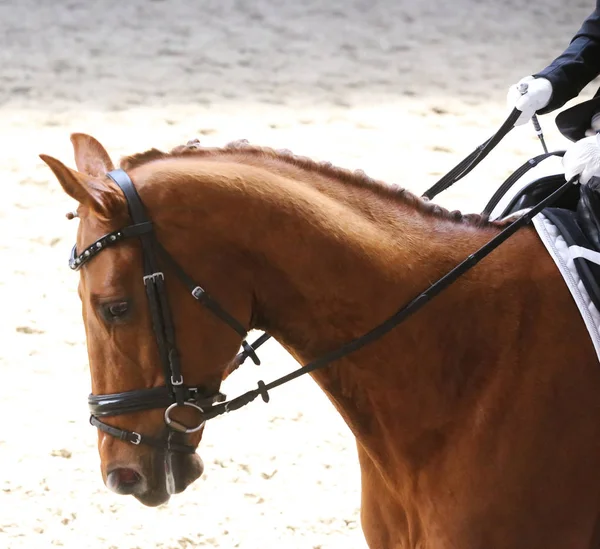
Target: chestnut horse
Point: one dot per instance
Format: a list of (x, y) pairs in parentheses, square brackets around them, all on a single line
[(477, 421)]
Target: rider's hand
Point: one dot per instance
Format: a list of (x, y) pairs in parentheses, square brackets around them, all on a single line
[(583, 158), (538, 95)]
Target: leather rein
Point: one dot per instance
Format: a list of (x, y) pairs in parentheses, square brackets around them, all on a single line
[(175, 393)]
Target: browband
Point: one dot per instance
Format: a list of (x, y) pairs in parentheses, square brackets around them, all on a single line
[(110, 239)]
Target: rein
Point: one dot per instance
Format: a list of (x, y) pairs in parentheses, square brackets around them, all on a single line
[(176, 393)]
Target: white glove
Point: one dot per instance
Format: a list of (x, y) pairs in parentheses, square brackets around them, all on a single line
[(537, 97), (583, 158)]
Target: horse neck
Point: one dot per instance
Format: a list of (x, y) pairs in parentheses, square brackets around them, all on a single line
[(329, 262)]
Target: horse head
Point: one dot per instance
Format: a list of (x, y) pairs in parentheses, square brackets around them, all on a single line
[(142, 357)]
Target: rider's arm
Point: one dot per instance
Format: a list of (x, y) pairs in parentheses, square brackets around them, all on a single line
[(577, 66)]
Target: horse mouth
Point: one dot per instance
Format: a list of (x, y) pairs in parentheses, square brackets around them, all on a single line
[(181, 470), (153, 498), (177, 472)]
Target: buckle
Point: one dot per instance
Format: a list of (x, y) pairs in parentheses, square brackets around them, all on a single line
[(153, 277), (178, 382), (198, 293), (137, 440)]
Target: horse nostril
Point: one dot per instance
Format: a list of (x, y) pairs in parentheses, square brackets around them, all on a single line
[(123, 481)]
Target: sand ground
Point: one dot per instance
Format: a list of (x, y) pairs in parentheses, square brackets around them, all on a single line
[(401, 89)]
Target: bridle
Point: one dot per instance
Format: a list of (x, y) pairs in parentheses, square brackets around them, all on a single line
[(176, 393)]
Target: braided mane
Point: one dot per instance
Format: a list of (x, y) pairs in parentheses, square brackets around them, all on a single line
[(358, 177)]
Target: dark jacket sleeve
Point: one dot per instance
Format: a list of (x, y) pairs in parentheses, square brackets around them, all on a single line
[(577, 66)]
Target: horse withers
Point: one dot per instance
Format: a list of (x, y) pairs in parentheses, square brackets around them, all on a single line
[(477, 421)]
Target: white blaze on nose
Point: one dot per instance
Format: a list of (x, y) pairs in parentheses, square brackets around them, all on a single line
[(169, 478)]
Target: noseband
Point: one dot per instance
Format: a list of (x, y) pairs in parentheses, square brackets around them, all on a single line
[(175, 393)]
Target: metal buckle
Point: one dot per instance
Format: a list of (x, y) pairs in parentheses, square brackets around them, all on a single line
[(137, 440), (198, 293), (152, 277), (178, 382), (184, 429)]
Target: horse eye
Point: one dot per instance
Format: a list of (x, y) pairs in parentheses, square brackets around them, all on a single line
[(115, 311)]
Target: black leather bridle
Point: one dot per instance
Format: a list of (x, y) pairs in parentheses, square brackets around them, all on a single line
[(176, 392)]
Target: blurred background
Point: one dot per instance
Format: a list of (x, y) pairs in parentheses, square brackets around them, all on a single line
[(402, 90)]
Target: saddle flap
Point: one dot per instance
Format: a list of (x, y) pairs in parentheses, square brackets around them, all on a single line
[(588, 211)]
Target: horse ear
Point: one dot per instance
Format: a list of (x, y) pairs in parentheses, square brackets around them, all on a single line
[(91, 157), (99, 194)]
